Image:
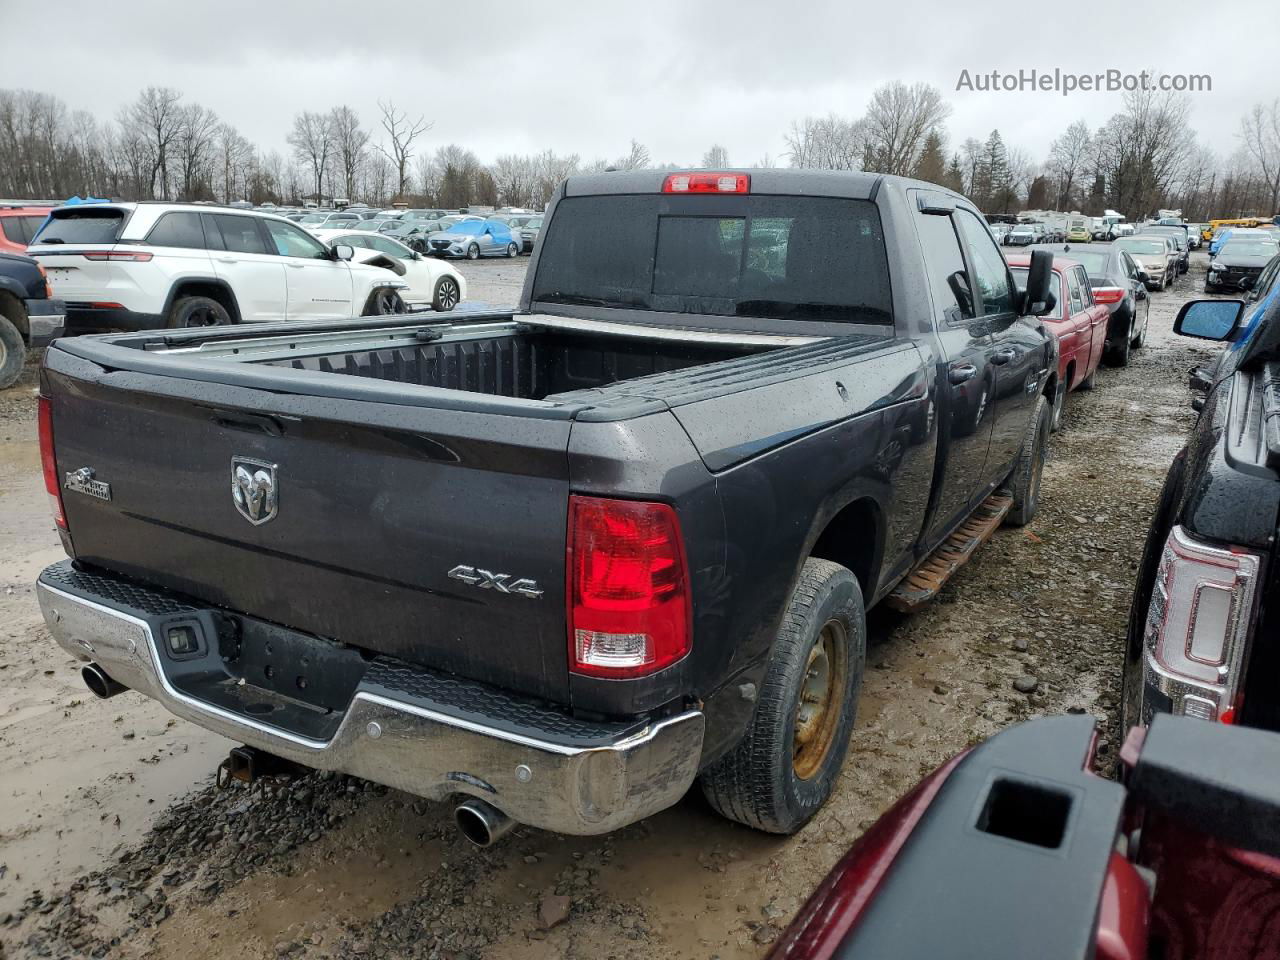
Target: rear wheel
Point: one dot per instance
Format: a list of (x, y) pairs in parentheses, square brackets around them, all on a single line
[(1119, 353), (784, 769), (513, 250), (197, 312), (447, 294), (384, 302), (1024, 482), (13, 353)]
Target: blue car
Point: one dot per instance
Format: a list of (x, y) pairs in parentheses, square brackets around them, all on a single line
[(474, 239), (1219, 238)]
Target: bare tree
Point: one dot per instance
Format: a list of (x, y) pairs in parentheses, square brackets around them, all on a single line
[(716, 158), (402, 134), (552, 170), (515, 178), (636, 158), (829, 143), (1260, 131), (232, 149), (1068, 158), (197, 132), (312, 142), (349, 142), (158, 116), (899, 118)]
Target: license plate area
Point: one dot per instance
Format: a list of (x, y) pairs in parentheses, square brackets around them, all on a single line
[(264, 672)]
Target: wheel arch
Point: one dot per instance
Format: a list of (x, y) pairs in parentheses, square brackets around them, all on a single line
[(211, 287), (842, 538), (14, 310)]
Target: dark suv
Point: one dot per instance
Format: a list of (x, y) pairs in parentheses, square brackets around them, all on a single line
[(1200, 640), (29, 316)]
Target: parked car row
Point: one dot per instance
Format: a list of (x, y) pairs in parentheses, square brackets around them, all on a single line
[(144, 265)]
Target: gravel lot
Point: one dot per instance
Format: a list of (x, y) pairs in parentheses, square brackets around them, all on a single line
[(113, 841)]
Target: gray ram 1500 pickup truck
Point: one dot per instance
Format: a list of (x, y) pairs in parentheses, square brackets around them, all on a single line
[(565, 561)]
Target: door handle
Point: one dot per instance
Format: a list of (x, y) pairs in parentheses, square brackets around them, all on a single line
[(1003, 355), (295, 266), (961, 373), (228, 260)]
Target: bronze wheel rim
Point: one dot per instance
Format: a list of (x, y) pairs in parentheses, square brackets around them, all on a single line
[(821, 698)]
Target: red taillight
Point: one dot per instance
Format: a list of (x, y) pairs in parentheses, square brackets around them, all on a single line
[(48, 290), (106, 305), (707, 183), (628, 590), (118, 255), (47, 462), (1108, 294)]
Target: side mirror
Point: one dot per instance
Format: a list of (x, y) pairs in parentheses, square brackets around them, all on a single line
[(1209, 319), (1144, 276), (343, 251), (1039, 298)]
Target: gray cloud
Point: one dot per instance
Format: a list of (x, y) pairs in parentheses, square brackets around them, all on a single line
[(586, 77)]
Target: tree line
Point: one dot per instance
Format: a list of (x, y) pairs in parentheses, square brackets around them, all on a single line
[(1142, 159), (163, 146)]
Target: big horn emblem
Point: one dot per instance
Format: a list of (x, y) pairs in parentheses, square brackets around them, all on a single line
[(254, 489)]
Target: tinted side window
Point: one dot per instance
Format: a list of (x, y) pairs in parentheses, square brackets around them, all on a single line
[(178, 230), (992, 271), (12, 227), (947, 277), (240, 234)]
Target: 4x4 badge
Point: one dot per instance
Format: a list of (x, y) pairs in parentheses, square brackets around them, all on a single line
[(501, 582), (254, 489)]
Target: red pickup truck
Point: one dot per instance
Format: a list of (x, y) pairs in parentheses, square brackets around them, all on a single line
[(1014, 849), (1078, 322)]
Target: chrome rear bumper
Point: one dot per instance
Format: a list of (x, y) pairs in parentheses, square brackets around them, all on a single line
[(554, 783)]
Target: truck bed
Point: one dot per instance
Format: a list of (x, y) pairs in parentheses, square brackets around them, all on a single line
[(535, 358)]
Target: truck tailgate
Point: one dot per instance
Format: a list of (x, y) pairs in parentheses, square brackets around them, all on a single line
[(375, 504)]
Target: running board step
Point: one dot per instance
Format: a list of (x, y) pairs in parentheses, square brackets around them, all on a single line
[(923, 583)]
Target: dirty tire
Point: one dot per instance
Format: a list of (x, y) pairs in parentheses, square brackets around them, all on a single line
[(13, 353), (1118, 356), (384, 303), (447, 294), (756, 782), (1024, 482), (197, 312)]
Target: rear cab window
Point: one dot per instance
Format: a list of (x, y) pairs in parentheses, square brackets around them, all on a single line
[(777, 257), (86, 224)]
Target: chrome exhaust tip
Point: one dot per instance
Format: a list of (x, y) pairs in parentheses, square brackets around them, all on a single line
[(97, 680), (482, 823)]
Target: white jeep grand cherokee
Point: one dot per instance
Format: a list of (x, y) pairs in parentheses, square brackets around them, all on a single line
[(136, 266)]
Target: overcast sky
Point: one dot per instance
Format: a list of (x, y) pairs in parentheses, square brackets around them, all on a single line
[(586, 77)]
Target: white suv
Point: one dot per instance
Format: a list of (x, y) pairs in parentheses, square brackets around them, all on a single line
[(136, 266)]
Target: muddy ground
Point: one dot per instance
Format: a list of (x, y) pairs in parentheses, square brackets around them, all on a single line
[(113, 841)]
